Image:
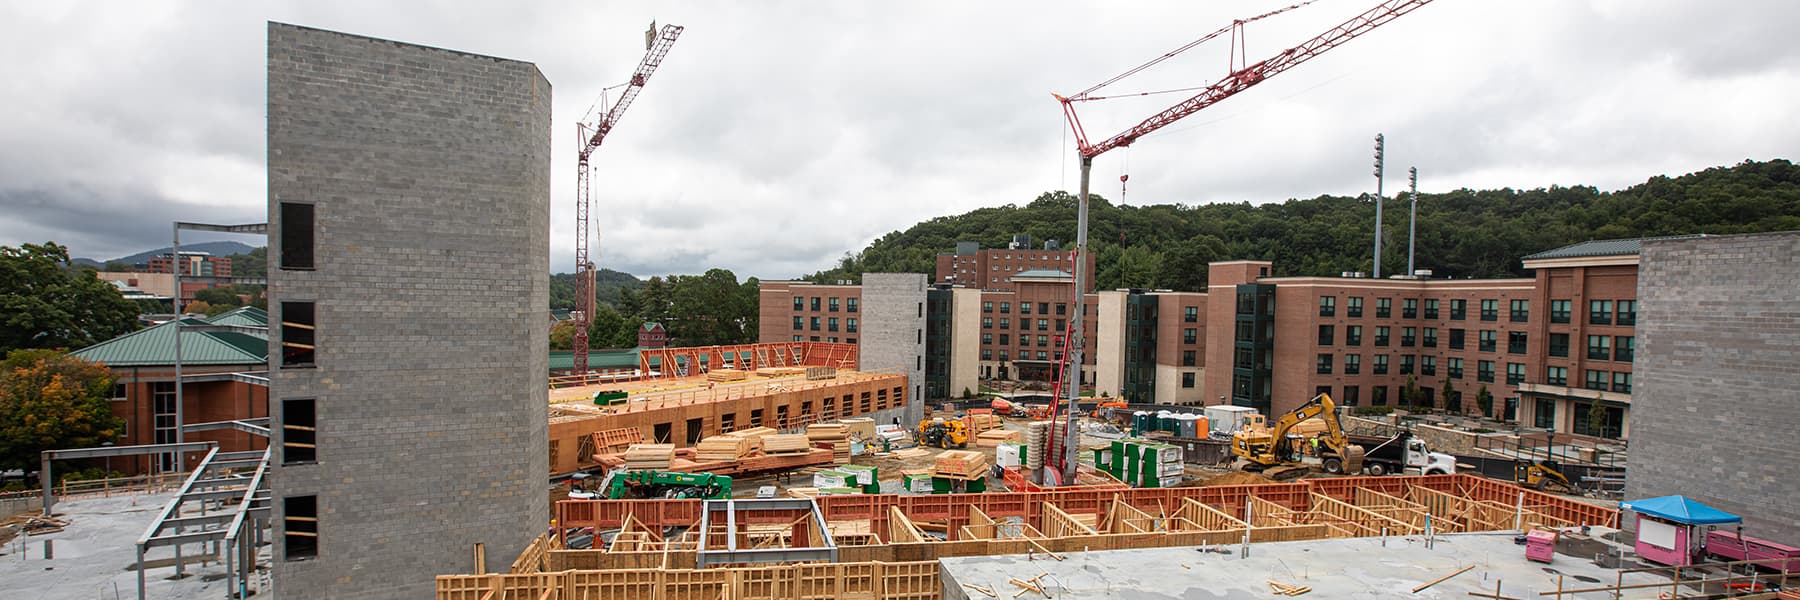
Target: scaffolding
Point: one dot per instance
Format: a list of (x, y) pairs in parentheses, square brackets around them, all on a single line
[(225, 503)]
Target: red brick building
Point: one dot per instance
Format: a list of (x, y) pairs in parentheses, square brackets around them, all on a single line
[(993, 269), (652, 335), (193, 264)]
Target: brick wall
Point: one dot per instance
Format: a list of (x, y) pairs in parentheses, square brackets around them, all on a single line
[(1713, 407), (429, 170)]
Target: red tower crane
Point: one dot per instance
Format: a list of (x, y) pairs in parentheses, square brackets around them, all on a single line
[(591, 135), (1237, 79)]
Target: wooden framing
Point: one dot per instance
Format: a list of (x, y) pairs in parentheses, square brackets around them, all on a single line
[(888, 580)]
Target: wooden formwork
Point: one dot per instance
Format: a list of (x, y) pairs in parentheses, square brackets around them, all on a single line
[(1397, 508), (1058, 524), (1125, 518), (1360, 521), (1203, 517), (532, 559)]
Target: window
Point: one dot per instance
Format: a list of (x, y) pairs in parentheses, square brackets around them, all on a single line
[(1556, 375), (1352, 364), (1627, 312), (1596, 380), (814, 323), (1410, 310), (1005, 340), (1043, 324), (1521, 311), (987, 322), (1559, 311), (850, 305), (1490, 310), (297, 334), (815, 303), (1431, 308), (1599, 347), (1488, 340), (987, 339), (833, 305), (1024, 308), (1024, 324), (1354, 304), (1381, 364), (1622, 382), (1559, 345), (1062, 324), (1353, 335), (799, 323), (1350, 395), (987, 354), (1190, 314), (1455, 365), (1379, 397), (1062, 308), (298, 432), (1005, 323), (1005, 308), (1456, 339), (1407, 336), (1326, 333), (118, 392), (1623, 347), (296, 236), (798, 338), (832, 324), (1188, 358), (1384, 308), (1041, 355), (850, 325), (1187, 380), (1459, 309), (1484, 371), (1544, 417), (1327, 306), (1515, 373), (799, 303), (1406, 364), (1599, 312), (1324, 364), (1043, 340), (300, 527), (848, 340), (1430, 337), (1043, 308), (1381, 335), (1515, 342), (1427, 365)]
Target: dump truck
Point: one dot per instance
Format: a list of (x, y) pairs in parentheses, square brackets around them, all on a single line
[(1403, 453)]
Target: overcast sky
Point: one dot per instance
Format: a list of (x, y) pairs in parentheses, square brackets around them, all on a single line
[(779, 135)]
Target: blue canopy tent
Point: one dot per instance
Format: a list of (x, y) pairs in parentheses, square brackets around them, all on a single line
[(1666, 527)]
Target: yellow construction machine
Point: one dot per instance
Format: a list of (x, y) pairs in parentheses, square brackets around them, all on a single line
[(1542, 475), (943, 433), (1279, 451)]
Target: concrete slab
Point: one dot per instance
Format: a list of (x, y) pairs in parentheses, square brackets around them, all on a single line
[(96, 556), (1355, 568)]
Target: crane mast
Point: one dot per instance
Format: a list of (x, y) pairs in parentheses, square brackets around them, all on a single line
[(1237, 80), (592, 135)]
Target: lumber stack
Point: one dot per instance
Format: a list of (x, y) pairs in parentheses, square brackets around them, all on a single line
[(785, 443), (722, 447), (754, 435), (983, 422), (649, 457), (727, 375), (780, 371), (862, 428), (834, 434), (819, 373), (961, 464), (1036, 436), (994, 437)]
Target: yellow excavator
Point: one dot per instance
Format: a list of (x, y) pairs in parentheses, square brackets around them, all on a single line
[(1279, 454)]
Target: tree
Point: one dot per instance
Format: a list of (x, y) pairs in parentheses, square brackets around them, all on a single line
[(1184, 266), (562, 335), (1596, 418), (252, 264), (1409, 395), (1451, 402), (609, 329), (113, 266), (218, 296), (199, 307), (45, 303), (1484, 401), (49, 401)]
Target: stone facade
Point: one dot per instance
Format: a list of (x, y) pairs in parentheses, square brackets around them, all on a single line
[(429, 175), (893, 332), (1718, 364)]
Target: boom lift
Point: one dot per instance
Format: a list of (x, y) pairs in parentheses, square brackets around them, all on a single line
[(1276, 454), (1241, 75)]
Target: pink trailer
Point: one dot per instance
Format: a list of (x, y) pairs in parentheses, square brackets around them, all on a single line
[(1540, 545), (1669, 528), (1733, 547)]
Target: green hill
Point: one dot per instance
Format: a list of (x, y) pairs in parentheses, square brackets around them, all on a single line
[(1462, 233), (607, 287)]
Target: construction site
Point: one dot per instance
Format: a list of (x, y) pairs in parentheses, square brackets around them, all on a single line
[(807, 469)]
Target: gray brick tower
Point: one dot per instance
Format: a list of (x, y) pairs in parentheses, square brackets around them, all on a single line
[(893, 336), (1714, 415), (409, 251)]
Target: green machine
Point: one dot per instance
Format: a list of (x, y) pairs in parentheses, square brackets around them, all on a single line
[(610, 397), (638, 485)]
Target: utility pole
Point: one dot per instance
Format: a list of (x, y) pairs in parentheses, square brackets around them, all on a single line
[(1378, 148), (1412, 223)]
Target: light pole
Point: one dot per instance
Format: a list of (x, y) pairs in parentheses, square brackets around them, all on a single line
[(1412, 222), (1378, 160)]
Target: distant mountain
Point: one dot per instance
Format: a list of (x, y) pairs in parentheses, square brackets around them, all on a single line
[(86, 262), (608, 285), (226, 248)]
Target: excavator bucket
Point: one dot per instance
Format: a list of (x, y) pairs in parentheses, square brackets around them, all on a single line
[(1353, 458)]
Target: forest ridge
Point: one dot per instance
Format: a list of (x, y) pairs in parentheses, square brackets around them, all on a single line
[(1461, 233)]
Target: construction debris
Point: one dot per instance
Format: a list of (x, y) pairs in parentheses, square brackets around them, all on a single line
[(1282, 589), (988, 591), (1443, 579)]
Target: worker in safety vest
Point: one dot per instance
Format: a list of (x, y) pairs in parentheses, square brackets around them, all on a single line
[(1315, 445)]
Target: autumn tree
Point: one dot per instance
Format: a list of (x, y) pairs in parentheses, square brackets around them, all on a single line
[(50, 400)]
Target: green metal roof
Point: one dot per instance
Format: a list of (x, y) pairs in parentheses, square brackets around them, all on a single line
[(155, 346), (626, 358), (1625, 247), (651, 326)]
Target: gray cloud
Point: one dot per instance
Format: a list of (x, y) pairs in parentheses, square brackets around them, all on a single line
[(779, 135)]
